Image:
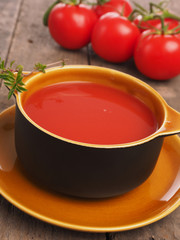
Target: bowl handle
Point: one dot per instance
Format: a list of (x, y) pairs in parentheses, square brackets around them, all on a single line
[(172, 123)]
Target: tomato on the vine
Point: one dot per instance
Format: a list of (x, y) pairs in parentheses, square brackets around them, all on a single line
[(121, 6), (154, 23), (157, 56), (150, 19), (71, 25), (114, 37)]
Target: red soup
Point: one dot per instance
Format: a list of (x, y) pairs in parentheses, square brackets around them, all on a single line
[(90, 113)]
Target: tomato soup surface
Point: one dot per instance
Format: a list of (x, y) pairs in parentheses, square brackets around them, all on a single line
[(90, 113)]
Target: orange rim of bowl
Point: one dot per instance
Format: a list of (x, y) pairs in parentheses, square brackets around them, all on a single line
[(157, 133)]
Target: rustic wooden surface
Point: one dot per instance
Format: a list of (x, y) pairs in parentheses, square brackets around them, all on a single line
[(23, 38)]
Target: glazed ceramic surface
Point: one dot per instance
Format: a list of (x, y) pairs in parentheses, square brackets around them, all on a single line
[(75, 168), (154, 199)]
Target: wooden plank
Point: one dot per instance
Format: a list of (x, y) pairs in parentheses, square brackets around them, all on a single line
[(8, 18), (165, 229), (9, 14), (32, 43), (16, 225), (169, 227)]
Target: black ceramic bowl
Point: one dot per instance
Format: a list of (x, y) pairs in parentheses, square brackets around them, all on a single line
[(90, 170)]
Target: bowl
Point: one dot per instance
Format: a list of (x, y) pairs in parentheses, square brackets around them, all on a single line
[(83, 169)]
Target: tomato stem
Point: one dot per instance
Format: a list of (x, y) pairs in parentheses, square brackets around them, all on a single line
[(74, 2), (153, 5), (46, 15), (134, 13), (167, 14), (173, 31), (140, 7), (122, 11), (149, 15), (101, 2), (163, 27)]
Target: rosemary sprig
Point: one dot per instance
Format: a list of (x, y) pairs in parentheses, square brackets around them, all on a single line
[(40, 67), (13, 77)]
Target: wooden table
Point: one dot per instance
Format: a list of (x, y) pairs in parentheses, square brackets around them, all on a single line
[(23, 38)]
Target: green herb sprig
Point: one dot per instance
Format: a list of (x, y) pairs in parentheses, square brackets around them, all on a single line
[(13, 76)]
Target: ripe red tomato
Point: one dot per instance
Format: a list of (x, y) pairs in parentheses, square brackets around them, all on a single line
[(157, 56), (71, 25), (114, 37), (150, 24), (122, 6)]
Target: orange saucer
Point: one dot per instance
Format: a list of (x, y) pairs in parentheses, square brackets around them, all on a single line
[(153, 200)]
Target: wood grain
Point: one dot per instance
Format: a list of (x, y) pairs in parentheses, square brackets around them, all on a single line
[(16, 225), (27, 41), (32, 42), (8, 18), (165, 229)]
